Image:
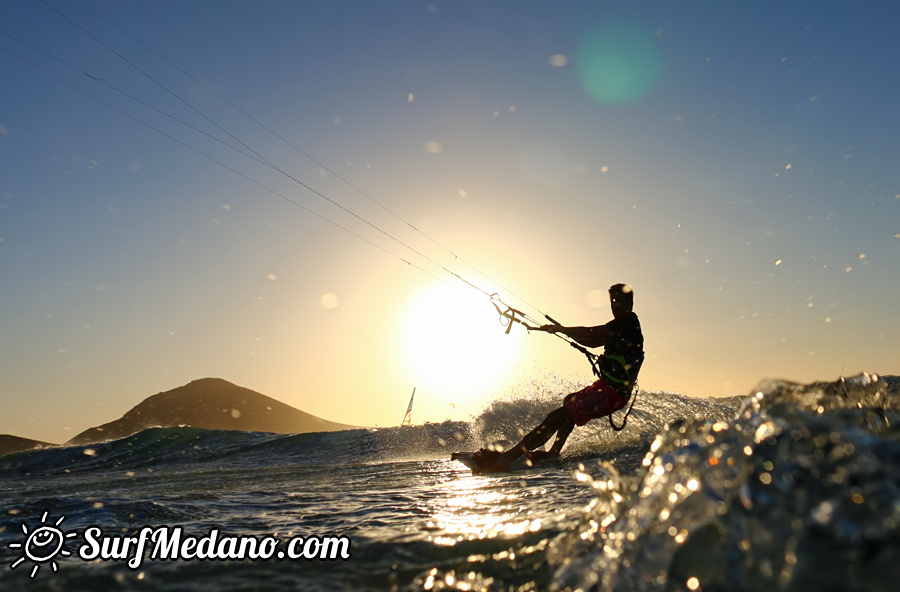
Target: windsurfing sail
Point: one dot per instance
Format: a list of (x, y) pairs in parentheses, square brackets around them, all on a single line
[(407, 419)]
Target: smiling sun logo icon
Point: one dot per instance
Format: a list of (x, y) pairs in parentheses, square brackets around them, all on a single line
[(42, 545)]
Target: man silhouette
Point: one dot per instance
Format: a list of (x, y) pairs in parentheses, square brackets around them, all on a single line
[(623, 354)]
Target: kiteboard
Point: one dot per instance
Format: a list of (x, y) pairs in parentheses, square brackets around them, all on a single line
[(482, 466)]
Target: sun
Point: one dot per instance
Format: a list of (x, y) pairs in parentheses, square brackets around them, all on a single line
[(453, 345), (42, 545)]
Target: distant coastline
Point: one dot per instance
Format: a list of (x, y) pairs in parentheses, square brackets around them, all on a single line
[(216, 404)]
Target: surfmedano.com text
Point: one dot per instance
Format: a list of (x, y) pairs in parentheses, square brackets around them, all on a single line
[(171, 544)]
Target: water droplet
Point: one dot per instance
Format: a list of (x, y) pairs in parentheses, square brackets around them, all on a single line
[(330, 301)]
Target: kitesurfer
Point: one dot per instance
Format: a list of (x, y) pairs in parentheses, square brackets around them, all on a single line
[(618, 367)]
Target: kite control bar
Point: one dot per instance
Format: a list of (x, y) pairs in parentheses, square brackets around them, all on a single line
[(508, 316)]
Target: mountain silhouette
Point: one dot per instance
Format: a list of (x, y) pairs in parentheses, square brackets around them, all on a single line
[(213, 404), (10, 444)]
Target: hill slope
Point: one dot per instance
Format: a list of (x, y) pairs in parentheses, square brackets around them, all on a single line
[(10, 444), (213, 404)]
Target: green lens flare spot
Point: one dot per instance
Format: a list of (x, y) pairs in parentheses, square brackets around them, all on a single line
[(618, 64)]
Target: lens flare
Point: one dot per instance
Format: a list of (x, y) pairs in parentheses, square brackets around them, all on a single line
[(618, 64)]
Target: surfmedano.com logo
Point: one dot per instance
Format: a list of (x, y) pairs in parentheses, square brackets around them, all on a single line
[(43, 544)]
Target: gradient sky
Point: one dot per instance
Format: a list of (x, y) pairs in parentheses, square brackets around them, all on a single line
[(736, 163)]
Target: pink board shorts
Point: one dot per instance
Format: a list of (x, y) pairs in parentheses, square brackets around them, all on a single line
[(594, 401)]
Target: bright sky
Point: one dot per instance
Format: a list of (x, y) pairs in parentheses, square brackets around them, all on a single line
[(736, 163)]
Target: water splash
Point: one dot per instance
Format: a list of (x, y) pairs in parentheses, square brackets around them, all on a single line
[(800, 491)]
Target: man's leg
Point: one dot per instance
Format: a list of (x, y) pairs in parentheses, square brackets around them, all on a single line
[(554, 422), (562, 434)]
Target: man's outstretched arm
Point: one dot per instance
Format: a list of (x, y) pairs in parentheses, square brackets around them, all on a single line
[(586, 336)]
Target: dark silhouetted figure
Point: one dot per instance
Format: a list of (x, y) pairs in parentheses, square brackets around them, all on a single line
[(623, 354)]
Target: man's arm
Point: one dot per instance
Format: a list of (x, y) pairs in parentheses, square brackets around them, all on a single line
[(586, 336)]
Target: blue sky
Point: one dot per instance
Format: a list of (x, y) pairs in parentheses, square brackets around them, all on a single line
[(743, 180)]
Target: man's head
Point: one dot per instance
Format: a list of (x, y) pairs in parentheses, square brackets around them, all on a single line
[(621, 298)]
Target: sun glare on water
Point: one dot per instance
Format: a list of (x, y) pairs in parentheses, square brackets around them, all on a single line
[(454, 346)]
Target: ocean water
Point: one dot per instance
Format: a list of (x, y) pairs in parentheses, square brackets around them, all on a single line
[(794, 487)]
